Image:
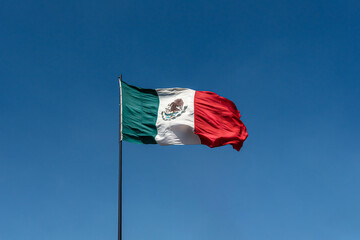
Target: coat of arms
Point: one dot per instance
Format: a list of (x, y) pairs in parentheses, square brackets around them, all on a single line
[(173, 110)]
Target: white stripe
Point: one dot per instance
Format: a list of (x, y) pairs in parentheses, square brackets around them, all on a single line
[(177, 129), (121, 112)]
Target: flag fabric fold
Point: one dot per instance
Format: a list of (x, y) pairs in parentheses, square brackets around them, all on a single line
[(180, 116)]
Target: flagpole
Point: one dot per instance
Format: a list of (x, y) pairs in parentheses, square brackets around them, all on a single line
[(120, 163)]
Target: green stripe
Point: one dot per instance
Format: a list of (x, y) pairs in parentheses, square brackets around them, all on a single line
[(139, 114)]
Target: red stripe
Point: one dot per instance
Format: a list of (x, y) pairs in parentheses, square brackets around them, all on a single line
[(217, 121)]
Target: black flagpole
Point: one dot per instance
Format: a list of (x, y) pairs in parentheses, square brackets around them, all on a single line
[(120, 163)]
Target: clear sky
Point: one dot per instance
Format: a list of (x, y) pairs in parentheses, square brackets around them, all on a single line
[(291, 67)]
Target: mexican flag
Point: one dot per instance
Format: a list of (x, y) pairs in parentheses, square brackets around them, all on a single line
[(179, 116)]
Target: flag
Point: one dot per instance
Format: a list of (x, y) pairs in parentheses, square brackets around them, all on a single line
[(179, 116)]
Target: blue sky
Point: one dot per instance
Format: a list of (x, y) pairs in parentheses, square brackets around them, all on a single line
[(291, 67)]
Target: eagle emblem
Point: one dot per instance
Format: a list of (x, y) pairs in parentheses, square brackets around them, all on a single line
[(173, 110)]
